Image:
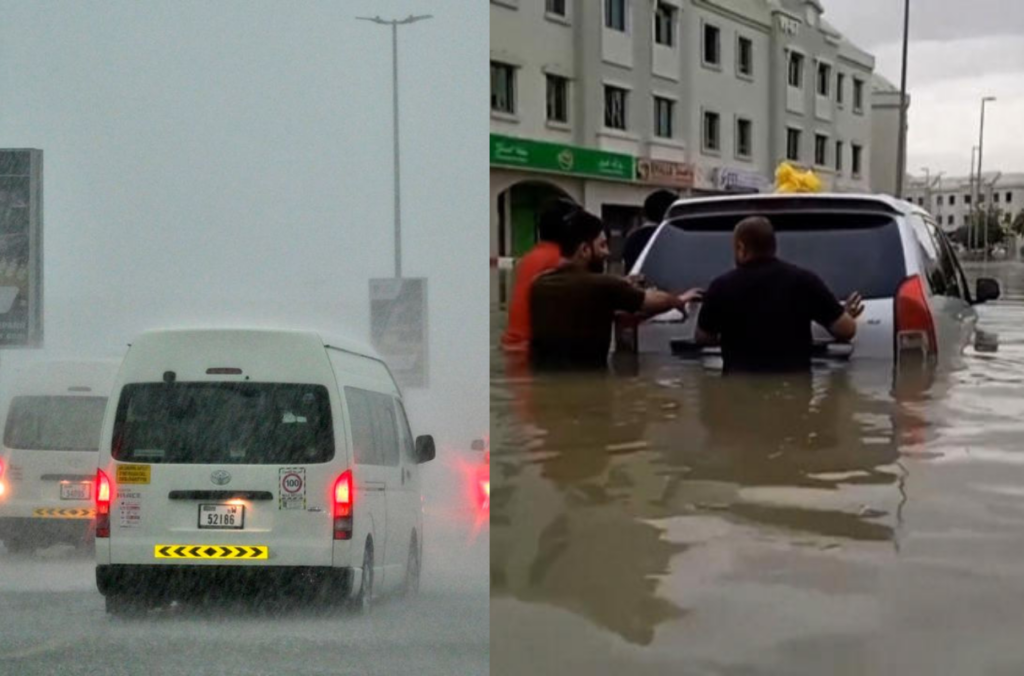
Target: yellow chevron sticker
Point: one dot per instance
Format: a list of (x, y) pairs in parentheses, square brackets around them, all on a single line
[(64, 513), (234, 552)]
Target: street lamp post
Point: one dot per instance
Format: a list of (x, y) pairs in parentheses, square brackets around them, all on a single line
[(901, 150), (395, 23), (972, 212), (981, 151)]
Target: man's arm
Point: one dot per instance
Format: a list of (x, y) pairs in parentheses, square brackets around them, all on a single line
[(709, 322), (840, 320), (658, 302), (845, 328)]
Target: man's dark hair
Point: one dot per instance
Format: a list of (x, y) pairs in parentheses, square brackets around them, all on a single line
[(757, 235), (553, 218), (657, 204), (581, 227)]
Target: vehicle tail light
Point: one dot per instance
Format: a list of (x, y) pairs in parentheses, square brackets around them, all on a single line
[(485, 493), (344, 496), (915, 327), (2, 478), (103, 492)]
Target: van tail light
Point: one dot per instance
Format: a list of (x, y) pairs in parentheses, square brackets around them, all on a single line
[(103, 491), (2, 488), (915, 327), (344, 496)]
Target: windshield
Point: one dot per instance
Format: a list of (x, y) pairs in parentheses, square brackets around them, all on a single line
[(850, 252), (223, 423), (55, 423)]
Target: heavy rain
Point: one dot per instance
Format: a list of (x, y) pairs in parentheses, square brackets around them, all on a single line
[(212, 187)]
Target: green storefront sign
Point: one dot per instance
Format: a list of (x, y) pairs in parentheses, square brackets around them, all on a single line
[(521, 153)]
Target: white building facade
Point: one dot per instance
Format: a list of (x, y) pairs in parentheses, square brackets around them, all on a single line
[(952, 200), (606, 102)]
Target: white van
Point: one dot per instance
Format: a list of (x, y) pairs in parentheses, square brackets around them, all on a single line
[(48, 458), (238, 460)]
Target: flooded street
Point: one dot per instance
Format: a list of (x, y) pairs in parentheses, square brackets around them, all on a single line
[(667, 518)]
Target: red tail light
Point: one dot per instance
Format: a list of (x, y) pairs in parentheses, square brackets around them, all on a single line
[(103, 491), (915, 327), (2, 488), (344, 496)]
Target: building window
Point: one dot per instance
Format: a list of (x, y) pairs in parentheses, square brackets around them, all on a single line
[(839, 156), (745, 57), (793, 145), (1009, 197), (615, 15), (503, 88), (615, 107), (665, 24), (952, 200), (820, 149), (981, 198), (858, 95), (558, 99), (824, 79), (938, 200), (663, 109), (796, 69), (744, 138), (995, 197), (840, 83), (711, 131), (555, 7), (855, 161), (967, 199), (712, 47), (950, 220)]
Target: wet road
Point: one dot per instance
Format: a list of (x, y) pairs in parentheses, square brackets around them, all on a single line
[(672, 520), (52, 621)]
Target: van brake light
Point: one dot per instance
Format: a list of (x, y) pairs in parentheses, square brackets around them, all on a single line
[(344, 496), (915, 327), (102, 505)]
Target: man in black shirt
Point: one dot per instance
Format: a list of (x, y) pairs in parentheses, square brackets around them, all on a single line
[(761, 312), (572, 308)]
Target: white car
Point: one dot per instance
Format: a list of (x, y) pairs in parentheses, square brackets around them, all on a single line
[(48, 459), (238, 460), (918, 306)]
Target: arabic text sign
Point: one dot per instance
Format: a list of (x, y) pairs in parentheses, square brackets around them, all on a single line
[(663, 172), (20, 248), (515, 152), (398, 327)]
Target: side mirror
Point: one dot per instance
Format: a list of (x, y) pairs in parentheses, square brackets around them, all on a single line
[(479, 445), (425, 450), (986, 289)]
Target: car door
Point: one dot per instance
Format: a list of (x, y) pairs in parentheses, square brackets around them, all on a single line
[(944, 301), (965, 314), (371, 474), (390, 472), (410, 504)]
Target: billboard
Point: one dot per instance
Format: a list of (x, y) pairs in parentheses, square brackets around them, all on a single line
[(21, 248), (398, 327)]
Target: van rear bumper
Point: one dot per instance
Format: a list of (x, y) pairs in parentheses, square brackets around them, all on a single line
[(173, 583), (42, 531)]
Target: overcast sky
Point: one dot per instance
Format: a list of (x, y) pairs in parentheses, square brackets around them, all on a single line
[(959, 52), (231, 162)]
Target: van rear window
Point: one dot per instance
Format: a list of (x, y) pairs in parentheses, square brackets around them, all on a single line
[(55, 423), (223, 423), (849, 251)]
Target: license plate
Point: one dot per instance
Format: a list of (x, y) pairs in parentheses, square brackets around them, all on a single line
[(222, 516), (75, 491)]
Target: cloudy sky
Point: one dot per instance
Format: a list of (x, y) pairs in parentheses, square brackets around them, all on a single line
[(230, 163), (959, 52)]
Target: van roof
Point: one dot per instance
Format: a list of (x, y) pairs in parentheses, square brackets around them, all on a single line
[(68, 377), (326, 340), (772, 201)]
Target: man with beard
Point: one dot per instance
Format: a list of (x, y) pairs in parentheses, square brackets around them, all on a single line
[(573, 307)]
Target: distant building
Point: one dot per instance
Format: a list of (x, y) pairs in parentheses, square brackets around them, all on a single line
[(607, 102), (885, 135), (951, 200)]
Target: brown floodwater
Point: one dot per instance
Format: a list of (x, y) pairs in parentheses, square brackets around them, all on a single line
[(661, 519)]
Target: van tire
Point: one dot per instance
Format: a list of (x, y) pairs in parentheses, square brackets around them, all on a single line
[(363, 602), (413, 570)]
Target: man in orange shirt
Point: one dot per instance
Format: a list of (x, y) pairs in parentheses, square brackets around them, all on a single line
[(541, 258)]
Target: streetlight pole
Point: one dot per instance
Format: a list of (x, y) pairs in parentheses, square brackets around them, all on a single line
[(901, 151), (395, 23), (981, 151), (971, 213), (927, 186)]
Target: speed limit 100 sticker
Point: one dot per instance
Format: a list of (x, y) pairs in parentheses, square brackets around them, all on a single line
[(291, 490)]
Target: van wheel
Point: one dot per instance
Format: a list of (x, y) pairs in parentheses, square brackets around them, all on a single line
[(412, 571), (123, 605), (364, 601)]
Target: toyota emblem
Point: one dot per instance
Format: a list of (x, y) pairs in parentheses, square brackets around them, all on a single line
[(220, 477)]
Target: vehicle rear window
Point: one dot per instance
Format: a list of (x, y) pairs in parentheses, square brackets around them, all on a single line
[(223, 423), (55, 423), (850, 252)]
